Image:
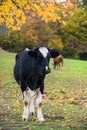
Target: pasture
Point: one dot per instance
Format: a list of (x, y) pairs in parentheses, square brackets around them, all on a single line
[(64, 99)]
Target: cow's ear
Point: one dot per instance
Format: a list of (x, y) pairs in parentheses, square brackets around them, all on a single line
[(54, 53), (32, 53)]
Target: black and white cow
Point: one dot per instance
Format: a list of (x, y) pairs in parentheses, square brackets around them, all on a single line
[(29, 71)]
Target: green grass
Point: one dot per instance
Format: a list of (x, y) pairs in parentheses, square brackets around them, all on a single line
[(64, 99)]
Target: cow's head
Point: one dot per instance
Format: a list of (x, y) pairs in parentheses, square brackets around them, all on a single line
[(43, 55)]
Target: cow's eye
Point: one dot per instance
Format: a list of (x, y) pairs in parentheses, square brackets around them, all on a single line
[(48, 57), (40, 58)]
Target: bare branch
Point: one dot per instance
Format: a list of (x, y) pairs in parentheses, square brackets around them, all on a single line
[(1, 2), (16, 4)]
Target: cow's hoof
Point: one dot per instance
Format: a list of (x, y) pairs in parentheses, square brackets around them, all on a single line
[(25, 118), (31, 113), (41, 120)]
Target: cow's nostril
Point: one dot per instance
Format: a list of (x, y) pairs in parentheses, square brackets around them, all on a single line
[(47, 70)]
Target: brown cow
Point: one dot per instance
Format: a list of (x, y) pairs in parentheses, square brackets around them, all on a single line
[(57, 61)]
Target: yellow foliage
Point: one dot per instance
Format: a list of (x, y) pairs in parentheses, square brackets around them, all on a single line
[(1, 21), (31, 36), (56, 43), (11, 15), (63, 22)]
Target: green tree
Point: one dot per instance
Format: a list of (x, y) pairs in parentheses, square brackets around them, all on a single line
[(76, 28), (75, 31), (84, 3)]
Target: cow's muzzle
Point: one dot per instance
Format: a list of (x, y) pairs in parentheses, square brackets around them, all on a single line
[(44, 70), (47, 70)]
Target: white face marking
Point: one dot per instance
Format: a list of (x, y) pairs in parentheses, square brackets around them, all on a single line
[(44, 51), (27, 49)]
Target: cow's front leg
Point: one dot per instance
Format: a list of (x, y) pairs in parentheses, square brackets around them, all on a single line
[(26, 103), (39, 106)]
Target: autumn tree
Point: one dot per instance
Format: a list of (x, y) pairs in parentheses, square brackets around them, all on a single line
[(40, 17), (75, 32), (42, 32), (84, 3), (14, 13)]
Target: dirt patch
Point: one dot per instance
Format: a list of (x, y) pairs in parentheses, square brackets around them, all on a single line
[(11, 126), (2, 51), (56, 118)]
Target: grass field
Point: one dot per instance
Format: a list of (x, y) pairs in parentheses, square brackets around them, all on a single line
[(64, 99)]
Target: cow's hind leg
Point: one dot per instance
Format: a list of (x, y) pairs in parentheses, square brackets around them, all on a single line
[(39, 106), (26, 103), (32, 96), (62, 63), (59, 65)]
